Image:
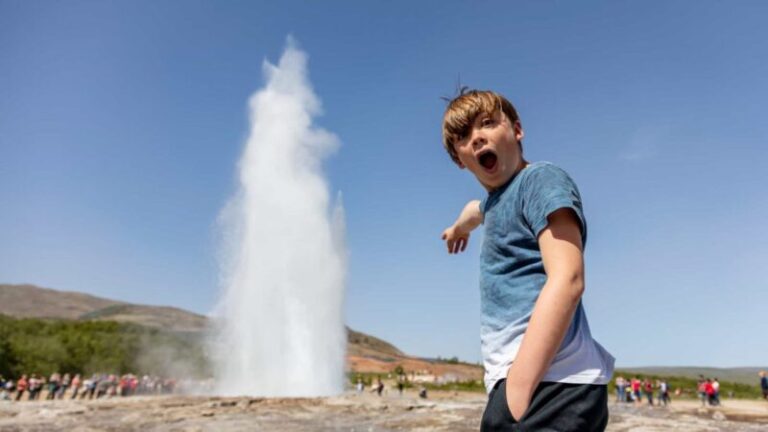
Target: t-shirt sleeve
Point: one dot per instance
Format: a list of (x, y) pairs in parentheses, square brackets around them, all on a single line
[(547, 189)]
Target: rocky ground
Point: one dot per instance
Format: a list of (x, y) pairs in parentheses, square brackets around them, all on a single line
[(349, 412)]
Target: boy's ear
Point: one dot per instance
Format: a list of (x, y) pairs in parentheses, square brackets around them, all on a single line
[(455, 158), (519, 134)]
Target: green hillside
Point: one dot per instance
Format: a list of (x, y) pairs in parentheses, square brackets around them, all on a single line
[(41, 346)]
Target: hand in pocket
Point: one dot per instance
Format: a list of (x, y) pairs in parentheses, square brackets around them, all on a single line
[(518, 401)]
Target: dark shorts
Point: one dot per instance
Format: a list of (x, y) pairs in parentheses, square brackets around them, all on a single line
[(554, 407)]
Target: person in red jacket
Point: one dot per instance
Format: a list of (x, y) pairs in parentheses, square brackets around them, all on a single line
[(702, 390), (21, 387), (709, 389), (648, 389), (636, 390)]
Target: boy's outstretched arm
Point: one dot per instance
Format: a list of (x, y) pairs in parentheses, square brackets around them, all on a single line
[(456, 236), (561, 251)]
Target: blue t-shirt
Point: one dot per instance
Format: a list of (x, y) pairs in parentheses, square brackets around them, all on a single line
[(512, 276)]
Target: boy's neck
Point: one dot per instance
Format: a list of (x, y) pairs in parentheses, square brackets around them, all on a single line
[(523, 164)]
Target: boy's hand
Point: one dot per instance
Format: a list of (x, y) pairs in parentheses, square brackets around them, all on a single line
[(457, 235), (455, 239), (518, 398)]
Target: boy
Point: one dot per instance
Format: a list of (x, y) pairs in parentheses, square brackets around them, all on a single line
[(531, 276)]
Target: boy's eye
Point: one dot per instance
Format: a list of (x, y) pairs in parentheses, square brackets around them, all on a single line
[(486, 122)]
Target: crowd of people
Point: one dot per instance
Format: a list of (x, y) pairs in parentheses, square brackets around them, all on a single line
[(378, 386), (74, 386), (636, 390), (708, 390)]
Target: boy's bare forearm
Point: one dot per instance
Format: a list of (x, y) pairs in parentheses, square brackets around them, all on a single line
[(551, 317), (471, 217)]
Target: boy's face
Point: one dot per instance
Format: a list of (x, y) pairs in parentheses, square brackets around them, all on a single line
[(491, 150)]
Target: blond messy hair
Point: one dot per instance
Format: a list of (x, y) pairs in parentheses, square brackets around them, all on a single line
[(464, 109)]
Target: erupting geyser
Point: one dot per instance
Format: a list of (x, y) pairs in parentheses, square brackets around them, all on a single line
[(280, 327)]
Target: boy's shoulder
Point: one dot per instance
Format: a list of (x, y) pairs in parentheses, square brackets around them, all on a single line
[(545, 177), (533, 181), (541, 170)]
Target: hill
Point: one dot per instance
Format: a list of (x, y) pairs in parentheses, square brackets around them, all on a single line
[(362, 344), (365, 353), (165, 317), (30, 301)]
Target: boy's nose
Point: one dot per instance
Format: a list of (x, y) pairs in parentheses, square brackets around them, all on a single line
[(478, 142)]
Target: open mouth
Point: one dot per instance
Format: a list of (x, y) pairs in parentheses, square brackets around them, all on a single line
[(488, 160)]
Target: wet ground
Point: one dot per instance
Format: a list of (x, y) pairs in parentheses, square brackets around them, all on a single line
[(349, 412)]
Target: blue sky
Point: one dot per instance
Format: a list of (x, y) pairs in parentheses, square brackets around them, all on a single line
[(121, 124)]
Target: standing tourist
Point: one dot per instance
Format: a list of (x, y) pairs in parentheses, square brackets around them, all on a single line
[(715, 392), (648, 389), (636, 390), (8, 389), (75, 386), (664, 392), (702, 389), (21, 387), (53, 385), (66, 380), (620, 384), (35, 386), (709, 391)]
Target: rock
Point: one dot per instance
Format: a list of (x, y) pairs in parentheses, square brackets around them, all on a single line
[(719, 416), (46, 413)]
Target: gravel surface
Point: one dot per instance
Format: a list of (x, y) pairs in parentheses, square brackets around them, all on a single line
[(348, 412)]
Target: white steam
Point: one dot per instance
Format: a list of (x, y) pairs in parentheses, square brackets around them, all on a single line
[(280, 319)]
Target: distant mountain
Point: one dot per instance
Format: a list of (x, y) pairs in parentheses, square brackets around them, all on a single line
[(743, 375), (365, 353), (29, 301), (362, 344)]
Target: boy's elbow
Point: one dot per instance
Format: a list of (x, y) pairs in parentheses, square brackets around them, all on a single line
[(478, 219), (572, 287), (578, 289)]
